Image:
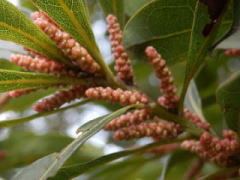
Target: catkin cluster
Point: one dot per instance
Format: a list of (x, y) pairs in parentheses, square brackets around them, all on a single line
[(138, 123), (215, 149)]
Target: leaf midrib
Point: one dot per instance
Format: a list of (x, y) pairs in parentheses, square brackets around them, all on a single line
[(75, 22), (161, 37), (36, 41)]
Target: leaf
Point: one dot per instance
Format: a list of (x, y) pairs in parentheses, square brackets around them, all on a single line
[(28, 4), (37, 146), (126, 169), (5, 64), (228, 97), (131, 7), (81, 168), (40, 165), (13, 122), (177, 163), (203, 35), (12, 80), (166, 161), (61, 157), (193, 100), (73, 17), (233, 38), (89, 124), (115, 7), (16, 27)]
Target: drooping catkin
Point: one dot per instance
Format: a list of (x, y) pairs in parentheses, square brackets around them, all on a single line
[(136, 117), (232, 52), (196, 120), (122, 61), (71, 48), (41, 64), (167, 87), (18, 93), (157, 130), (117, 95), (60, 98)]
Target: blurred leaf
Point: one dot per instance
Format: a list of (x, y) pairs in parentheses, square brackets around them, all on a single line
[(5, 64), (40, 165), (12, 80), (16, 27), (228, 96), (193, 100), (134, 5), (73, 17), (115, 7), (88, 125), (36, 146), (178, 164), (126, 169), (13, 122), (57, 163), (28, 4), (78, 169), (219, 174), (166, 161), (233, 38)]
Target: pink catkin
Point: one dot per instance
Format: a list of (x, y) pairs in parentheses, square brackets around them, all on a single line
[(71, 48), (18, 93), (232, 52), (167, 87), (214, 149), (196, 120), (60, 98), (157, 130), (41, 64), (131, 118), (123, 65), (117, 95)]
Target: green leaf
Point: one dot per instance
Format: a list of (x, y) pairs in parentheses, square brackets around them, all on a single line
[(89, 124), (81, 168), (84, 135), (37, 146), (5, 64), (13, 122), (177, 163), (12, 80), (133, 6), (203, 35), (126, 169), (40, 165), (28, 4), (228, 96), (193, 100), (16, 27), (150, 26), (73, 17), (115, 7), (233, 38), (166, 161)]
